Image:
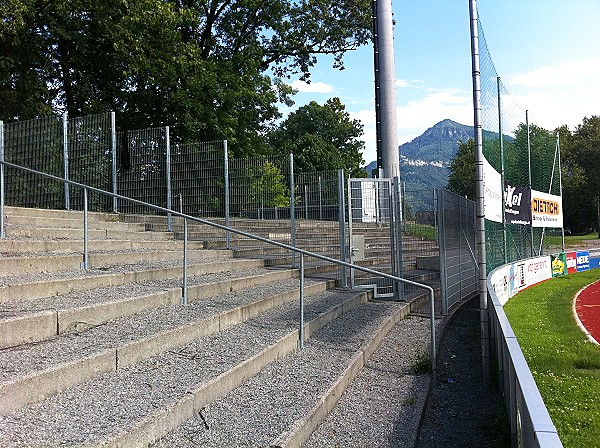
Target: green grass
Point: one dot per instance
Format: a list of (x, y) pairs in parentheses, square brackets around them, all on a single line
[(570, 240), (427, 232), (564, 363)]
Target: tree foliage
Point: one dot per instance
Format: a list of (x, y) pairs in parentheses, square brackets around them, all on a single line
[(208, 68), (580, 152), (462, 177), (322, 138)]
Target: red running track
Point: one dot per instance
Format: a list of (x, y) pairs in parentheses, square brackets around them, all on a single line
[(587, 308)]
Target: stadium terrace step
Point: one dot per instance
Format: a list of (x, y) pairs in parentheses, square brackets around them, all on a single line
[(110, 356)]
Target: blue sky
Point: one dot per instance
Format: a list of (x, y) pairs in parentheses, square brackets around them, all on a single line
[(547, 53)]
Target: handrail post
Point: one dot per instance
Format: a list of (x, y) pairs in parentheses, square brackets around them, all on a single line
[(301, 332), (86, 263), (184, 288)]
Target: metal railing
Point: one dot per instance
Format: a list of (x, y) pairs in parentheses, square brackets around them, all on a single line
[(186, 218), (530, 422)]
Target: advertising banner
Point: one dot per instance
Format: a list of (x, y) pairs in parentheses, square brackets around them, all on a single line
[(492, 186), (538, 269), (559, 264), (571, 262), (500, 284), (546, 210), (518, 279), (583, 260), (517, 205)]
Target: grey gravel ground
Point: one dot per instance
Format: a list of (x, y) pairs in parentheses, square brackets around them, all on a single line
[(108, 402), (16, 361), (255, 414), (461, 411), (382, 407)]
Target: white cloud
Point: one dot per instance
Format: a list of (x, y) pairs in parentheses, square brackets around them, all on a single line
[(565, 73), (416, 116), (402, 83), (313, 87)]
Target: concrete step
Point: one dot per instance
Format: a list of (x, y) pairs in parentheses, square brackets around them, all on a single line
[(160, 389), (13, 247), (32, 287), (34, 372), (23, 322), (30, 264)]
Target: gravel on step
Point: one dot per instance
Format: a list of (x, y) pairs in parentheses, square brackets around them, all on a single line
[(15, 361), (111, 401), (256, 413), (111, 294), (382, 406), (101, 270)]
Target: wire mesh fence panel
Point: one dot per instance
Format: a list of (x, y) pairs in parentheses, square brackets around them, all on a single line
[(317, 209), (198, 179), (260, 187), (90, 160), (142, 169), (35, 144), (457, 248)]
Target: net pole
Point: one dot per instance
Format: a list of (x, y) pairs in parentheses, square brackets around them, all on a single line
[(480, 210), (529, 170), (502, 168)]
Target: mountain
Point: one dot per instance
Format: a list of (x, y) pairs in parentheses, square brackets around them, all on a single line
[(424, 161)]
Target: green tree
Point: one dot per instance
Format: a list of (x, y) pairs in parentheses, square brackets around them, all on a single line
[(209, 69), (462, 177), (583, 162), (270, 189), (322, 138)]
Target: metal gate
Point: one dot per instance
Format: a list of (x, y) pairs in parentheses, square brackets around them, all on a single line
[(371, 233)]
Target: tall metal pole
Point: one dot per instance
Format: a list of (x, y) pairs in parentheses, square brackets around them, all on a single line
[(480, 210), (385, 89), (529, 168), (560, 188), (502, 169)]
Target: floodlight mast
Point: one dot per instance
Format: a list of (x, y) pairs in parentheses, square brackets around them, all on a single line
[(385, 90)]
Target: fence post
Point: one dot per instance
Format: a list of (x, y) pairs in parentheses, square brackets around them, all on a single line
[(66, 160), (2, 231), (227, 223), (86, 257), (342, 224), (168, 174), (398, 204), (320, 200), (442, 246), (293, 208), (305, 201), (113, 143)]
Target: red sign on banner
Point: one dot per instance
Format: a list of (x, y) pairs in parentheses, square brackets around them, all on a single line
[(572, 262)]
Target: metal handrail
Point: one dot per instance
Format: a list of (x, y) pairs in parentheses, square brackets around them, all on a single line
[(187, 218)]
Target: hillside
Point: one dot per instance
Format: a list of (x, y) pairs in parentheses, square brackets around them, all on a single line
[(424, 160)]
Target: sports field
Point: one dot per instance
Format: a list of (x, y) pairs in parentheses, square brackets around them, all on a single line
[(564, 361)]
